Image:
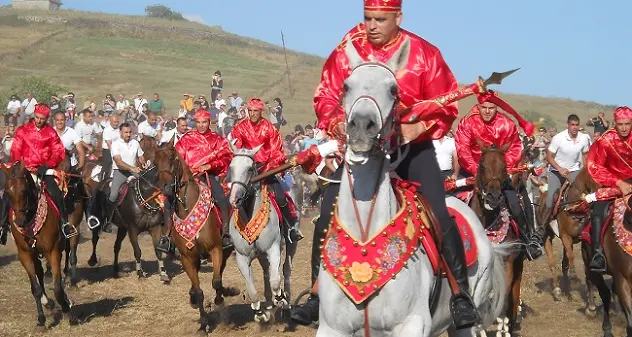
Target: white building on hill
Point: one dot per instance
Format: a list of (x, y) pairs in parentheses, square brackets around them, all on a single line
[(37, 4)]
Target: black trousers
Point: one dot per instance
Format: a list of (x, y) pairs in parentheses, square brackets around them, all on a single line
[(218, 191), (57, 196), (420, 165), (598, 217), (106, 163), (279, 193), (523, 216)]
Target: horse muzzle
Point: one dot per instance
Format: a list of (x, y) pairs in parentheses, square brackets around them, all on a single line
[(492, 200), (363, 131)]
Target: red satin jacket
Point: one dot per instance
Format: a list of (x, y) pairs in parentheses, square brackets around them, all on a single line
[(610, 159), (425, 77), (501, 130), (249, 135), (209, 148), (37, 147)]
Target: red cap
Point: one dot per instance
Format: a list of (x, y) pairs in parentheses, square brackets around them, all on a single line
[(42, 109), (622, 112), (255, 103), (202, 115), (492, 97), (390, 6)]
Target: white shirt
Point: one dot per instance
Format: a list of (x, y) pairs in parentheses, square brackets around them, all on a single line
[(138, 103), (318, 134), (88, 132), (70, 138), (6, 146), (121, 105), (146, 129), (29, 106), (445, 152), (13, 106), (111, 134), (129, 152), (220, 118), (219, 102), (568, 152), (168, 135)]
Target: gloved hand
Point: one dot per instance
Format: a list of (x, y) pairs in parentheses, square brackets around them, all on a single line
[(311, 158), (41, 171)]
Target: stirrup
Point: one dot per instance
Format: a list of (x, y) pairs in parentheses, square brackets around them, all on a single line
[(74, 232), (164, 241), (98, 222)]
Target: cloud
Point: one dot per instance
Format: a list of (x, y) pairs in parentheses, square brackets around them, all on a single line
[(195, 18)]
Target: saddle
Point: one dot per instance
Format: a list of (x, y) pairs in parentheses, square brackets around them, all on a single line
[(190, 226), (560, 197), (614, 217), (30, 230)]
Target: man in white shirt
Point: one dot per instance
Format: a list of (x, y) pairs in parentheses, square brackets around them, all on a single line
[(177, 133), (70, 139), (566, 156), (28, 107), (88, 130), (13, 109), (110, 134), (126, 156), (445, 149), (150, 127), (139, 101)]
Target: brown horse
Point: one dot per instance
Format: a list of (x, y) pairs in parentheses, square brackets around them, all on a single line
[(24, 197), (179, 183), (569, 227), (489, 203)]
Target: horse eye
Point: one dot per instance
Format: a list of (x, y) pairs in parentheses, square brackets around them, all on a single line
[(345, 87)]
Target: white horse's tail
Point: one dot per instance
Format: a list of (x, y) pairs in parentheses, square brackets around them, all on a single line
[(499, 282)]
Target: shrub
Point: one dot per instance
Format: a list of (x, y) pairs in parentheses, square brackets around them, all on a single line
[(41, 89), (163, 12)]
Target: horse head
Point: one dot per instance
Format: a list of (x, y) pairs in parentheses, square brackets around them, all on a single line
[(240, 172), (167, 165), (370, 101), (20, 189), (149, 146), (491, 175)]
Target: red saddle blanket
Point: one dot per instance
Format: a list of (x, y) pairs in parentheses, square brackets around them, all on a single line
[(615, 218), (36, 224), (192, 224), (497, 233)]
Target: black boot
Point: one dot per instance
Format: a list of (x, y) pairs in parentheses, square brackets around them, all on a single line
[(110, 208), (598, 262), (462, 307), (291, 224), (67, 229), (164, 243), (93, 220), (5, 228), (528, 235), (307, 313)]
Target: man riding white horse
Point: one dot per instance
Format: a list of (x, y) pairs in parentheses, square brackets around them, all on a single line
[(255, 131), (484, 124), (427, 76), (39, 148), (608, 164), (207, 153)]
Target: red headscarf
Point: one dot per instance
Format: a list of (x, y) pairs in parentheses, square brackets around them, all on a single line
[(42, 109), (255, 103), (622, 112), (492, 97), (202, 115), (389, 6)]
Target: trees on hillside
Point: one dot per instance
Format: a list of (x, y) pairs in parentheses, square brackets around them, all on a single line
[(163, 12), (41, 89)]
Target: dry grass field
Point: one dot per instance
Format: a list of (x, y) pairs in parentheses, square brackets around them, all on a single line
[(145, 307)]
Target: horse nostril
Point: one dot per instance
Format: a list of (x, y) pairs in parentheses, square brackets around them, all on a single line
[(370, 125)]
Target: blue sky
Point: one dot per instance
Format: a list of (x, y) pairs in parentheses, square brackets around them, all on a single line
[(579, 49)]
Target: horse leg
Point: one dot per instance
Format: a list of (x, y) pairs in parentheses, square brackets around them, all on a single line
[(74, 242), (274, 257), (244, 263), (37, 290), (622, 288), (514, 324), (550, 257), (226, 254), (54, 256), (267, 288), (604, 293), (156, 234), (95, 239), (39, 271), (120, 235), (190, 264), (133, 239), (217, 258), (290, 250)]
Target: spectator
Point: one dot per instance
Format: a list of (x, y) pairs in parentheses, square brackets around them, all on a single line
[(541, 139), (190, 115), (230, 121), (28, 107), (552, 133), (122, 105), (55, 105), (150, 127), (13, 110), (71, 106), (599, 123), (308, 139), (186, 104), (235, 100), (203, 102), (170, 124), (139, 101), (6, 143), (90, 105), (219, 100), (216, 85), (221, 116), (109, 105), (157, 105), (276, 113)]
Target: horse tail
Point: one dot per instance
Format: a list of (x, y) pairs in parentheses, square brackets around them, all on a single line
[(499, 282)]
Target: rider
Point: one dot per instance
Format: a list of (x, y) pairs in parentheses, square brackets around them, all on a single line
[(608, 163), (88, 130), (255, 131), (70, 139), (126, 155), (204, 151), (426, 76), (484, 123), (39, 147), (565, 154)]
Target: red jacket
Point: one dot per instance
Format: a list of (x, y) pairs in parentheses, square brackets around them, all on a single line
[(249, 136), (426, 76), (209, 148), (37, 147), (501, 130), (610, 159)]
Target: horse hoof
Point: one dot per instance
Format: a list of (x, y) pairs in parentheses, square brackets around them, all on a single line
[(219, 300), (50, 305), (72, 319), (41, 321), (202, 332), (557, 294), (230, 291), (92, 261), (591, 312), (165, 278), (141, 274)]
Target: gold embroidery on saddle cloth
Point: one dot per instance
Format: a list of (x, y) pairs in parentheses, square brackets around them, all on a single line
[(251, 231), (190, 226), (38, 220)]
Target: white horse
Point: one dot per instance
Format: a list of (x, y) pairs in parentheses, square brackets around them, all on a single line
[(266, 245), (401, 307)]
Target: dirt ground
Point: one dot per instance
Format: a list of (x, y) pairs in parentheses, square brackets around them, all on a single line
[(146, 307)]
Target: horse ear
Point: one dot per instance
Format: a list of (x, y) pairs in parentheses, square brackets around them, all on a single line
[(481, 144), (256, 149), (231, 144), (504, 147), (400, 58), (352, 54), (172, 141)]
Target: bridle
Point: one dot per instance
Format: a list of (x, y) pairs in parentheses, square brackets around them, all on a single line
[(27, 195), (252, 171)]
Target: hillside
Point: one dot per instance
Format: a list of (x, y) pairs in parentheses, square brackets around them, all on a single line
[(93, 54)]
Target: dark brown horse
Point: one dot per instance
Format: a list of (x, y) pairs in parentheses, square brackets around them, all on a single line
[(569, 227), (24, 197), (489, 203), (179, 184)]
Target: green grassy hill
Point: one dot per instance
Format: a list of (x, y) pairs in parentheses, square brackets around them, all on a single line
[(93, 54)]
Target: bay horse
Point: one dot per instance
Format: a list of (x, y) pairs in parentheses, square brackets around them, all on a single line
[(387, 290), (568, 229), (489, 202), (204, 240), (255, 230), (31, 211)]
